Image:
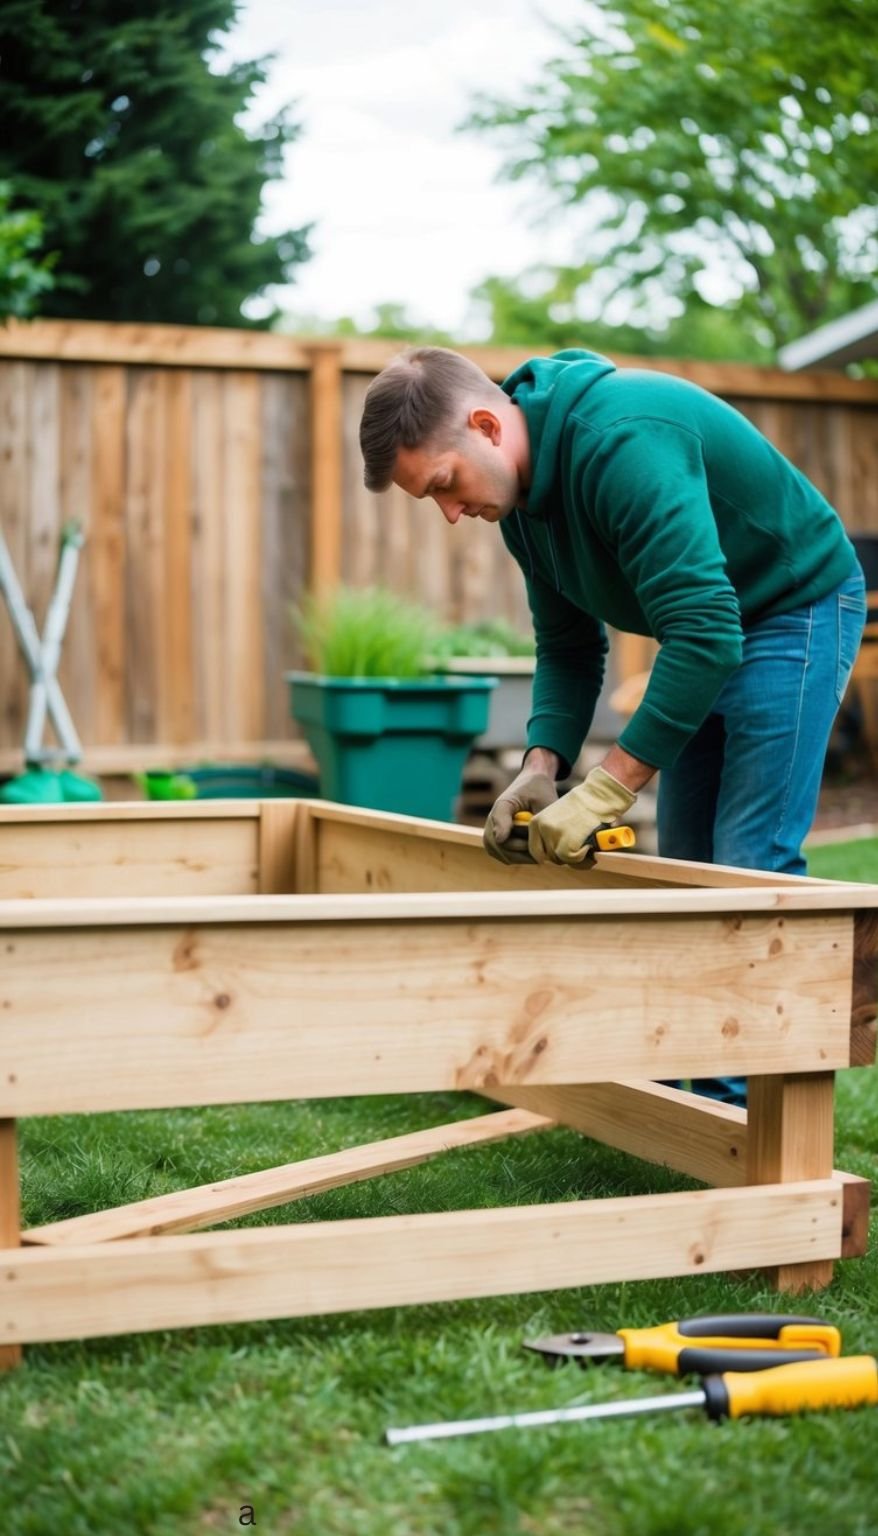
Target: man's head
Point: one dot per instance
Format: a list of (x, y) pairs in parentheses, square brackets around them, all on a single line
[(435, 424)]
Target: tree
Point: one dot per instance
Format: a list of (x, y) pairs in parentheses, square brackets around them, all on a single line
[(721, 153), (542, 309), (117, 130), (24, 275)]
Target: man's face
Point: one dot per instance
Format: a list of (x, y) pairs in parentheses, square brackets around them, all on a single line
[(474, 475)]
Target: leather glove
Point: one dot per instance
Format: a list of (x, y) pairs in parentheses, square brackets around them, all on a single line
[(531, 791), (557, 834)]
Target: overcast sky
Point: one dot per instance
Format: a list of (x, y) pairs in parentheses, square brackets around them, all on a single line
[(406, 209)]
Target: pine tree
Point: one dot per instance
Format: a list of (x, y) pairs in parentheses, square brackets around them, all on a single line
[(117, 127)]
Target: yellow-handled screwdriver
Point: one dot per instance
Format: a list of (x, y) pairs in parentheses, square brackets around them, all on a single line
[(604, 840), (809, 1386)]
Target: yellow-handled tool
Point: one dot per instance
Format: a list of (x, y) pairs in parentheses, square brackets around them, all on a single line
[(701, 1346), (810, 1386), (605, 840)]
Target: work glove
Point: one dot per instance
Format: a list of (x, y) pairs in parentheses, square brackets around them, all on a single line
[(557, 834), (531, 791)]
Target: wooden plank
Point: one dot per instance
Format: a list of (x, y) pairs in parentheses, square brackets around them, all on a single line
[(856, 1194), (76, 497), (277, 846), (176, 681), (44, 515), (663, 1125), (187, 1209), (10, 1220), (326, 443), (127, 856), (15, 485), (241, 653), (208, 557), (790, 1137), (145, 1283), (131, 810), (284, 499), (107, 552), (864, 1006), (305, 856), (355, 857), (216, 347), (145, 562), (250, 1012), (201, 346), (129, 758), (731, 909)]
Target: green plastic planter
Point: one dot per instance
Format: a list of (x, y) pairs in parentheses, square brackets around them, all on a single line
[(394, 744)]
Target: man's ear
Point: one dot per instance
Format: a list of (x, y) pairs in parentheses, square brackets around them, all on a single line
[(486, 422)]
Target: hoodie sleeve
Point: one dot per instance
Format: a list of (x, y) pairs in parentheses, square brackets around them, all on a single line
[(645, 489), (571, 648)]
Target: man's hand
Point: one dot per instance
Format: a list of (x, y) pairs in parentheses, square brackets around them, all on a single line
[(557, 834), (532, 791)]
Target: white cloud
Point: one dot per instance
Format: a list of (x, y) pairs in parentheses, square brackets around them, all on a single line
[(406, 208)]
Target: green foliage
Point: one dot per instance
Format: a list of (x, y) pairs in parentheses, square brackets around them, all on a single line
[(392, 322), (491, 637), (542, 309), (365, 632), (118, 128), (24, 275), (709, 148)]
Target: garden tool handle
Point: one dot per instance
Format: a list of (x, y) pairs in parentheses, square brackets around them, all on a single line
[(808, 1387), (605, 840), (707, 1346)]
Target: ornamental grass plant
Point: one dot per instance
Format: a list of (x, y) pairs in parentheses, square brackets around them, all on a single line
[(366, 632)]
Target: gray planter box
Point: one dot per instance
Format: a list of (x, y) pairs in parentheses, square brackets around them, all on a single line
[(510, 701)]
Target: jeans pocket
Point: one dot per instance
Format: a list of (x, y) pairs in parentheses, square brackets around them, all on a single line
[(851, 618)]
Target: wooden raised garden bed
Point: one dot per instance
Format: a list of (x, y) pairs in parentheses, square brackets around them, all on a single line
[(214, 952)]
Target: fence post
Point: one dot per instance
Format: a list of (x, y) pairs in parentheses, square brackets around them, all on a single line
[(326, 466)]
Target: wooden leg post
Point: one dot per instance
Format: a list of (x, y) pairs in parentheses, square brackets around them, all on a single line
[(789, 1137), (10, 1218)]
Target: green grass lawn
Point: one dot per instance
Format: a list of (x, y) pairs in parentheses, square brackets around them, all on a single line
[(171, 1434)]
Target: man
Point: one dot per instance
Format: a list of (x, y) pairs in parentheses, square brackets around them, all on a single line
[(639, 500)]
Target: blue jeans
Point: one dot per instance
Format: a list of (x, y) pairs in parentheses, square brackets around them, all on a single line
[(744, 790)]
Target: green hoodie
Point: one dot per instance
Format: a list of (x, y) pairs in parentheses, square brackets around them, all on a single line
[(660, 510)]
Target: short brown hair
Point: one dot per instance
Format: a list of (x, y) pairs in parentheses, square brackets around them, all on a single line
[(409, 404)]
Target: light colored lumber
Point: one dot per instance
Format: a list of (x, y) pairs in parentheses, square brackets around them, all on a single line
[(679, 1130), (277, 848), (248, 1012), (384, 859), (143, 1283), (398, 844), (733, 908), (790, 1137), (10, 1221), (104, 858), (326, 467), (187, 1209), (108, 811), (305, 852), (864, 1007)]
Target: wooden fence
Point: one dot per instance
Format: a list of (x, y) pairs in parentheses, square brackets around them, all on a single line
[(217, 475)]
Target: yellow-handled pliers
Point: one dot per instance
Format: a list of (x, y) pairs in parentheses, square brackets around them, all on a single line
[(702, 1346)]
